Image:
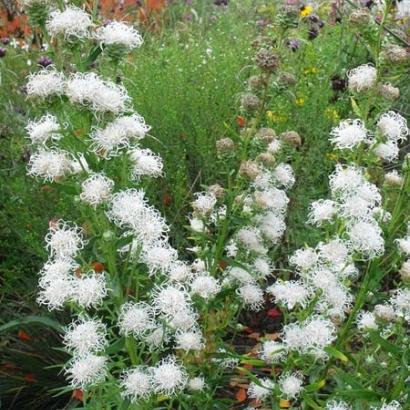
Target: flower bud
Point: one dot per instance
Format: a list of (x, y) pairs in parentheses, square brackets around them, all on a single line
[(388, 92), (393, 178), (255, 82), (224, 145), (249, 169), (405, 270), (250, 102), (216, 190), (266, 134), (359, 17), (266, 158), (384, 312), (287, 78), (395, 54), (292, 137), (267, 60)]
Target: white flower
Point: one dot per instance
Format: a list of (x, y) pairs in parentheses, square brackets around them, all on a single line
[(366, 321), (85, 336), (185, 319), (335, 251), (145, 163), (362, 78), (56, 269), (96, 189), (156, 338), (179, 271), (349, 134), (170, 300), (271, 226), (45, 83), (196, 384), (274, 146), (204, 203), (393, 178), (290, 293), (159, 257), (274, 199), (401, 303), (384, 312), (304, 259), (86, 371), (189, 340), (44, 129), (251, 295), (366, 238), (262, 267), (51, 165), (169, 376), (250, 238), (136, 383), (272, 351), (393, 405), (388, 151), (346, 179), (231, 249), (205, 286), (239, 274), (291, 385), (118, 133), (337, 405), (261, 390), (119, 33), (404, 245), (72, 22), (321, 211), (79, 164), (197, 225), (102, 96), (136, 319), (90, 289), (283, 175), (64, 240), (55, 292), (393, 126)]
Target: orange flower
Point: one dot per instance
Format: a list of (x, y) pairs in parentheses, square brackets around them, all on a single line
[(22, 335), (78, 395), (240, 121), (166, 199), (241, 395), (98, 267)]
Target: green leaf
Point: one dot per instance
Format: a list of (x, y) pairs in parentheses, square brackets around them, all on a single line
[(312, 403), (356, 108), (360, 394), (384, 344), (32, 320), (116, 346), (337, 354)]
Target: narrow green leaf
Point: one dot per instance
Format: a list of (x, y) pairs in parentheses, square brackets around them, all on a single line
[(32, 320)]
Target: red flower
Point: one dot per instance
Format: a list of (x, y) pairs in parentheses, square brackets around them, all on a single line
[(78, 395), (29, 378), (166, 199), (240, 121), (274, 312), (98, 267), (22, 335)]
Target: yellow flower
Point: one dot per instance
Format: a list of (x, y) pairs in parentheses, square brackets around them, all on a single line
[(311, 70), (306, 10), (332, 114), (300, 101), (275, 117), (332, 156)]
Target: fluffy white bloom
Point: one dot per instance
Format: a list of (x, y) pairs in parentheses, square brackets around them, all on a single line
[(118, 133), (369, 192), (273, 199), (90, 289), (384, 312), (345, 179), (323, 278), (393, 178), (64, 240), (86, 371), (184, 320), (304, 259), (405, 270), (96, 189), (283, 175), (44, 129), (335, 300), (404, 245), (262, 267), (366, 238), (239, 274), (366, 321), (205, 286), (145, 162), (179, 271), (401, 303), (156, 338), (388, 151), (55, 292), (335, 251), (72, 22), (198, 265), (85, 336), (291, 385), (321, 211), (250, 238), (355, 207), (102, 96), (362, 78), (136, 319), (271, 226), (50, 165), (189, 340), (136, 383), (349, 134), (261, 390), (393, 126), (45, 83), (159, 257), (204, 203), (337, 405), (274, 146), (231, 248), (393, 405), (251, 295), (56, 269), (272, 351), (170, 300), (119, 33), (197, 225), (79, 164), (290, 293), (169, 376), (196, 384)]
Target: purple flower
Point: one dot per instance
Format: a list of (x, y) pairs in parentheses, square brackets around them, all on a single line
[(5, 40), (44, 61), (293, 44), (2, 52)]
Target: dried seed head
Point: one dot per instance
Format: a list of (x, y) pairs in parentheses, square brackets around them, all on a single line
[(224, 145), (395, 54), (250, 102), (261, 41), (267, 60), (405, 270), (388, 92), (216, 190), (359, 17), (249, 169), (292, 137), (393, 178), (287, 78), (384, 312), (266, 158), (266, 134), (256, 81)]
